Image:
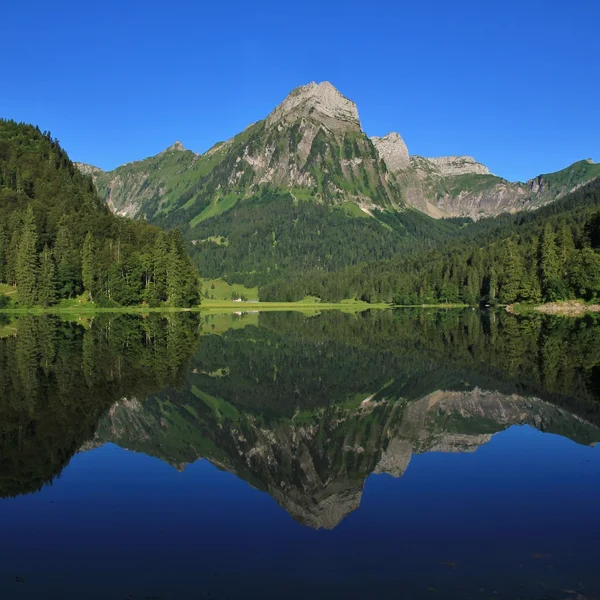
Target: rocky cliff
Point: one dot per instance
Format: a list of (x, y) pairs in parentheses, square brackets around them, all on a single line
[(451, 166), (319, 102)]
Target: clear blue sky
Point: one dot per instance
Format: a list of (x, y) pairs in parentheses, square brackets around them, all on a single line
[(514, 83)]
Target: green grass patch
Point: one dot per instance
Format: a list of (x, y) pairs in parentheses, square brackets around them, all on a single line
[(9, 292), (302, 194), (217, 289), (220, 408), (219, 240), (472, 183), (216, 207), (353, 210), (355, 401), (7, 330), (221, 322), (573, 175)]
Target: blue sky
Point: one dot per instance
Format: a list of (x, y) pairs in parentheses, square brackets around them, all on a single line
[(515, 84)]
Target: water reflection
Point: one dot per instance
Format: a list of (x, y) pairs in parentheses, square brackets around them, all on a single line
[(302, 407)]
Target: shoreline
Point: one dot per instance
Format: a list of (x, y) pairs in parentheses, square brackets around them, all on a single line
[(226, 306), (565, 308), (203, 308)]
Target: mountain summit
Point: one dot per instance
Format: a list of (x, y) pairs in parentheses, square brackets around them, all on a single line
[(319, 102), (176, 147)]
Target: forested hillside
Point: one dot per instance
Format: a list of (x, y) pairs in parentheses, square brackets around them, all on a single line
[(551, 254), (273, 235), (58, 240)]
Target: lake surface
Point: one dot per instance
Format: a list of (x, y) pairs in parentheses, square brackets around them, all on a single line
[(410, 454)]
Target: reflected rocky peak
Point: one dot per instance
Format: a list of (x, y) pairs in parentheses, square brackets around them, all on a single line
[(304, 408), (316, 468)]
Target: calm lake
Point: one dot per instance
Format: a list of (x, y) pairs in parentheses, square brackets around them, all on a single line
[(401, 455)]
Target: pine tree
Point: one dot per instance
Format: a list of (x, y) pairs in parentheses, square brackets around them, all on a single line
[(550, 266), (471, 290), (183, 286), (512, 274), (11, 256), (66, 259), (47, 279), (174, 277), (4, 242), (492, 286), (565, 246), (26, 267), (159, 292), (87, 265)]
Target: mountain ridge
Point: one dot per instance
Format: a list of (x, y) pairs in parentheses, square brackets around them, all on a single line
[(313, 145)]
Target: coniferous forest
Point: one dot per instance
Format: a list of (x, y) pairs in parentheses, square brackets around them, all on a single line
[(547, 255), (58, 239)]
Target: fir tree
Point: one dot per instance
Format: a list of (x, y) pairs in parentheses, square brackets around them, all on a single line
[(87, 265), (47, 279), (67, 270), (174, 277), (11, 256), (550, 265), (565, 247), (159, 276), (513, 271), (26, 268), (4, 243)]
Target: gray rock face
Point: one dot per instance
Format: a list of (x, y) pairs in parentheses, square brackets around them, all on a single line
[(450, 166), (320, 101), (394, 460), (503, 197), (393, 151), (88, 169)]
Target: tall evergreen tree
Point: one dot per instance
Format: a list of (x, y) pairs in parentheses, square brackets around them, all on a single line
[(174, 277), (512, 274), (87, 264), (67, 269), (565, 246), (11, 256), (550, 265), (4, 242), (159, 277), (47, 279), (26, 268)]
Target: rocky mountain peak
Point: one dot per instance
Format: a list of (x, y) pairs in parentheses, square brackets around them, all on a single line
[(318, 101), (393, 151), (176, 147), (449, 166)]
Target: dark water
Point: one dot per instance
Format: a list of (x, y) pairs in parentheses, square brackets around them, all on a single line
[(383, 455)]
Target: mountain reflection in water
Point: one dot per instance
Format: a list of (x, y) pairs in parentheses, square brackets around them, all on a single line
[(304, 408)]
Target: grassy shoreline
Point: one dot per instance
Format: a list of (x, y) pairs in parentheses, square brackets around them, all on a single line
[(212, 306)]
